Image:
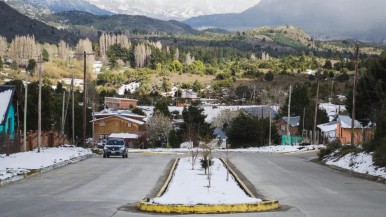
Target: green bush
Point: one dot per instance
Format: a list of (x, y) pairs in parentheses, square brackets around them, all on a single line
[(347, 149), (330, 148), (269, 76), (379, 156), (204, 163)]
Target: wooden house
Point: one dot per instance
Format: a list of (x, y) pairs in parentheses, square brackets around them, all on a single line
[(109, 122)]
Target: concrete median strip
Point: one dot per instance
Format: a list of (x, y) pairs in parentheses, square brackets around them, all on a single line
[(148, 206)]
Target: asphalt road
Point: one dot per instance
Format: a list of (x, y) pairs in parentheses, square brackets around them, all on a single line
[(111, 187)]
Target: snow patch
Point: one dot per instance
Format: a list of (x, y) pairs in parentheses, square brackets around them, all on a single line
[(360, 163), (190, 187)]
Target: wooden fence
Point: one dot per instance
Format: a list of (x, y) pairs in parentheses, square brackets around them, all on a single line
[(14, 145)]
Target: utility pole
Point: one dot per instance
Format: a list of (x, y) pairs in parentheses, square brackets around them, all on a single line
[(270, 125), (84, 94), (289, 116), (25, 113), (63, 118), (354, 94), (40, 105), (316, 109), (73, 113)]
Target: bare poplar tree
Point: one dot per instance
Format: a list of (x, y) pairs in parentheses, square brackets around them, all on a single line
[(107, 40), (23, 48), (52, 50), (167, 50), (158, 45), (189, 59), (85, 45), (141, 55), (3, 46), (177, 54), (64, 50)]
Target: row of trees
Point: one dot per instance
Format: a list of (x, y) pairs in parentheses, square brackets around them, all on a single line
[(52, 108)]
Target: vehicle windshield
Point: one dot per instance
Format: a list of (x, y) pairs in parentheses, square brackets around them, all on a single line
[(115, 142)]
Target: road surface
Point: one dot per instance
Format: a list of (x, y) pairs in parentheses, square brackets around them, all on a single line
[(111, 187)]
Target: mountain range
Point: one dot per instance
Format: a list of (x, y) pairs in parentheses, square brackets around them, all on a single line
[(73, 20), (14, 23), (173, 9), (358, 19), (35, 8)]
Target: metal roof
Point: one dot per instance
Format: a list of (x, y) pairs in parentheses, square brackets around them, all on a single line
[(327, 127), (261, 111), (345, 122), (293, 121), (121, 117)]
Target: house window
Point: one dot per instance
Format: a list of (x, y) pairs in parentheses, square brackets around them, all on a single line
[(102, 124), (282, 127), (129, 125)]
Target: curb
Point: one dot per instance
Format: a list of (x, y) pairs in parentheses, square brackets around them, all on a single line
[(206, 209), (266, 205), (43, 170)]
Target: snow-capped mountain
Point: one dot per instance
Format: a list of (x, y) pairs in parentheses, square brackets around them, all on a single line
[(358, 19), (173, 9), (54, 6)]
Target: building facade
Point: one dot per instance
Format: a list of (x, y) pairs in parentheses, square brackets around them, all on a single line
[(116, 103)]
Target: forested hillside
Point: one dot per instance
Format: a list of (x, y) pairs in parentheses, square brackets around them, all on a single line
[(14, 23)]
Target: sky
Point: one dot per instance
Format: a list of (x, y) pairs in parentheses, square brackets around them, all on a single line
[(174, 8)]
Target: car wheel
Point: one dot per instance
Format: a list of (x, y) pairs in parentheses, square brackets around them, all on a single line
[(104, 156), (107, 156)]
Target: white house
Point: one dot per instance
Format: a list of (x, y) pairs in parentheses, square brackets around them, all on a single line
[(329, 130)]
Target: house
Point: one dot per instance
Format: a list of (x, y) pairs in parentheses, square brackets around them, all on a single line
[(329, 130), (7, 111), (188, 94), (128, 125), (116, 103), (361, 133), (281, 126), (187, 97)]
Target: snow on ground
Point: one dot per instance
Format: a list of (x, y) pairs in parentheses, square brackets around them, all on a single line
[(190, 187), (265, 149), (21, 163), (281, 149), (360, 163), (210, 111), (332, 109)]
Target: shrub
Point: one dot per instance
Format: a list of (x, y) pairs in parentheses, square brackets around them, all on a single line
[(330, 148), (379, 156), (347, 149), (204, 163), (269, 76)]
